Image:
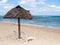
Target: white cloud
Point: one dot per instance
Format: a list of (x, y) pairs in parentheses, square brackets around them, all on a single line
[(51, 9), (1, 10), (53, 6), (58, 7), (5, 7), (3, 2), (41, 2), (31, 3), (8, 6), (22, 2), (46, 7)]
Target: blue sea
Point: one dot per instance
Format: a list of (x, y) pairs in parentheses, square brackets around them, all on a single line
[(40, 21)]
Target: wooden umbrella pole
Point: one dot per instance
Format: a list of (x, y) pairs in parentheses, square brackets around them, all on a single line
[(19, 28)]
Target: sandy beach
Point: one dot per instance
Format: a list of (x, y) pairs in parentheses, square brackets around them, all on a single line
[(42, 35)]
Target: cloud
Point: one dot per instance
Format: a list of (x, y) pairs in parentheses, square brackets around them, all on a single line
[(36, 6), (5, 7), (41, 2), (8, 6), (31, 3), (3, 2), (46, 7), (51, 9), (54, 8), (1, 10), (21, 1)]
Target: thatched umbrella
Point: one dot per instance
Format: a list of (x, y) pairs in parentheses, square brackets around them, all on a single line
[(18, 12)]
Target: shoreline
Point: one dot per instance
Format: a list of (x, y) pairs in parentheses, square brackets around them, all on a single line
[(30, 25)]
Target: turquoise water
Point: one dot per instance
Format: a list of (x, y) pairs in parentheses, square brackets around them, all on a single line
[(47, 21)]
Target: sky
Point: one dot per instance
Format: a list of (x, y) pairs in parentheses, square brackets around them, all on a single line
[(36, 7)]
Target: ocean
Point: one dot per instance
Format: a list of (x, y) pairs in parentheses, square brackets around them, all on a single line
[(40, 21)]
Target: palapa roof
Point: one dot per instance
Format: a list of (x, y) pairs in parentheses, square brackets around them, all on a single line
[(18, 12)]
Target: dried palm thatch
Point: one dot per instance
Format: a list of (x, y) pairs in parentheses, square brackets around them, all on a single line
[(18, 12)]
